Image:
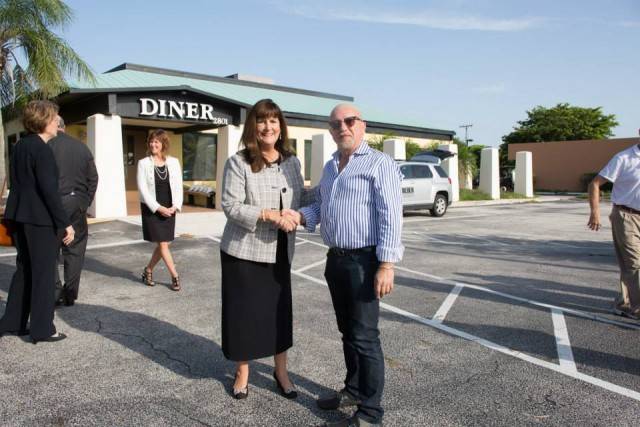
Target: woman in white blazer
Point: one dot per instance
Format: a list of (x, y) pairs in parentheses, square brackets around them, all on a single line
[(160, 186)]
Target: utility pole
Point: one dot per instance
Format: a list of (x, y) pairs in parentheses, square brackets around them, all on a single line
[(466, 133)]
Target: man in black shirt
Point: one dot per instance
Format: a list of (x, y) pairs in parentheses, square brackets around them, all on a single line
[(78, 181)]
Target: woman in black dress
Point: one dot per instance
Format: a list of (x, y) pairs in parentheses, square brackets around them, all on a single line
[(160, 187), (257, 247), (35, 208)]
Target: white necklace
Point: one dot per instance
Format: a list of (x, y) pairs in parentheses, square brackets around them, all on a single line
[(159, 172)]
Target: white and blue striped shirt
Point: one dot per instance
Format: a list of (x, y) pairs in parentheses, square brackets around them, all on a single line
[(360, 206)]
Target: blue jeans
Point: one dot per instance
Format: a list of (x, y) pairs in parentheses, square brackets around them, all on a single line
[(350, 278)]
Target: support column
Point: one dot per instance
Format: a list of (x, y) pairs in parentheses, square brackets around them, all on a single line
[(396, 148), (489, 172), (300, 153), (104, 139), (228, 145), (322, 146), (450, 166), (524, 173)]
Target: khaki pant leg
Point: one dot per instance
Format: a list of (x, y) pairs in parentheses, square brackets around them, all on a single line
[(626, 236)]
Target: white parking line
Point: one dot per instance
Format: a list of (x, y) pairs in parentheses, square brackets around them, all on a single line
[(313, 243), (309, 267), (565, 354), (89, 247), (497, 347), (488, 344), (447, 303), (522, 356), (528, 301)]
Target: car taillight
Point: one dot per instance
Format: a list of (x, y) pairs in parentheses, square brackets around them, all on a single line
[(449, 178)]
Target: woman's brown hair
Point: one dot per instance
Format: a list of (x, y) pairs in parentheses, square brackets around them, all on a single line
[(263, 109), (162, 136), (38, 114)]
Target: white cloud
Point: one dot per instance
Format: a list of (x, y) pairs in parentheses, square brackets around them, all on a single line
[(492, 89), (424, 18)]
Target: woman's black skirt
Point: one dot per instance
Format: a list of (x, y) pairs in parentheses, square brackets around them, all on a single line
[(256, 306), (155, 227)]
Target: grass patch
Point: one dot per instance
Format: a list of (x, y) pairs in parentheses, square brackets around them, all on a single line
[(466, 195), (511, 195)]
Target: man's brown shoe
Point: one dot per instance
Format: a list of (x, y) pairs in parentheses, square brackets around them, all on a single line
[(340, 399)]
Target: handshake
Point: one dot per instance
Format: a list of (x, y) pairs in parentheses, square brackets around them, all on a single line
[(286, 220)]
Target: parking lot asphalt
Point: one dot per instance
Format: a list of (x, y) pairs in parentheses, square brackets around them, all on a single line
[(500, 316)]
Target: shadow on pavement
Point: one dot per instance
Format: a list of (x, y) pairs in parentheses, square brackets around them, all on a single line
[(184, 353)]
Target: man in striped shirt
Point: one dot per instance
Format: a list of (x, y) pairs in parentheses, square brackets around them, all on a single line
[(359, 208)]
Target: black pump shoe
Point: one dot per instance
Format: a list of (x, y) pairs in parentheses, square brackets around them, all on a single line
[(240, 393), (53, 338), (289, 393)]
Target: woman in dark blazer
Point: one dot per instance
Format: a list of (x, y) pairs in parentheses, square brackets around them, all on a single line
[(35, 209)]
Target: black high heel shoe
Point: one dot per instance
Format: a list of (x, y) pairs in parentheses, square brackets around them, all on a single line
[(53, 338), (240, 393), (289, 393), (147, 277)]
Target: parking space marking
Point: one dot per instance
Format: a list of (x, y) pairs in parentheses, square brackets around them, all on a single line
[(499, 348), (308, 267), (314, 243), (522, 356), (90, 247), (437, 324), (447, 303), (525, 300), (565, 353)]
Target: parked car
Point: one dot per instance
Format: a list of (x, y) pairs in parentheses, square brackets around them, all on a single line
[(425, 186), (434, 156)]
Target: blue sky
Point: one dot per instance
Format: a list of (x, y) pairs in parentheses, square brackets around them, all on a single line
[(444, 63)]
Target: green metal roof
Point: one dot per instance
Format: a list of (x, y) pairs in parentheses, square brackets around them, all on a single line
[(290, 100)]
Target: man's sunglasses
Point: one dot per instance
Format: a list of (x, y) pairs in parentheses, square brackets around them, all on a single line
[(349, 121)]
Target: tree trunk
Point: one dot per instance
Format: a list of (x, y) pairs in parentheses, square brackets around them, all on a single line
[(466, 180)]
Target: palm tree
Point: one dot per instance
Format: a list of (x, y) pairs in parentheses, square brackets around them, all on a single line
[(26, 31), (467, 164)]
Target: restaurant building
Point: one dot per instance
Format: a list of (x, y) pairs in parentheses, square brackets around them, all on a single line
[(204, 116)]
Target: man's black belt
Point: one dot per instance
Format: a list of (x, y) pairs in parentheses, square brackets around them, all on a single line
[(345, 252), (628, 209)]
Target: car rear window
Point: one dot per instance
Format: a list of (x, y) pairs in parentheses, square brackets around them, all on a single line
[(421, 171), (441, 172)]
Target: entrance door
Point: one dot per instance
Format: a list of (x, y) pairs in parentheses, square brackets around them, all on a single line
[(134, 148)]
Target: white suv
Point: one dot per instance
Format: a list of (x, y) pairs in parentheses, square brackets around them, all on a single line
[(425, 186)]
